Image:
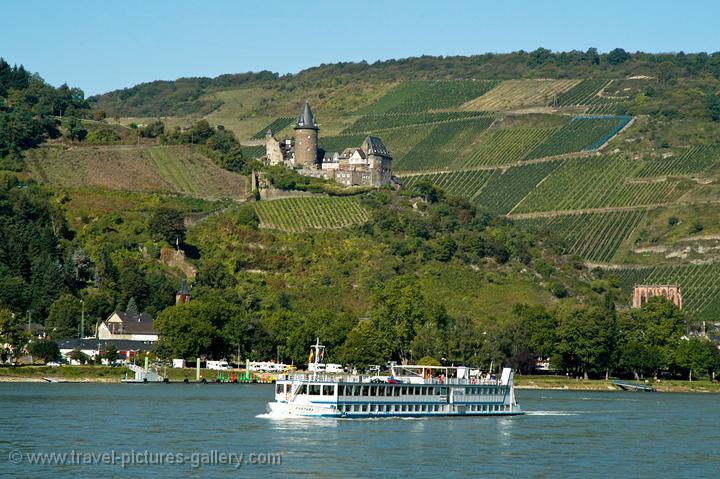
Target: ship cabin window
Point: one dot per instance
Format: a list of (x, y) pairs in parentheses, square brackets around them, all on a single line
[(364, 407), (302, 389), (328, 390), (356, 390), (364, 391), (395, 390), (403, 390), (314, 390), (280, 389), (373, 390)]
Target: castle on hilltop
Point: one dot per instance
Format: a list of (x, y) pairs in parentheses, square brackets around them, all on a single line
[(368, 165)]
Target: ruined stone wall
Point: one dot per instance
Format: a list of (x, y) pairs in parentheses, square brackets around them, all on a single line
[(641, 294)]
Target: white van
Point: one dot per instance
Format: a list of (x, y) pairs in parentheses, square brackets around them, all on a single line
[(218, 365)]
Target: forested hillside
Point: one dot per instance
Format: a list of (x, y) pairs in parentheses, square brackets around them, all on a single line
[(536, 189)]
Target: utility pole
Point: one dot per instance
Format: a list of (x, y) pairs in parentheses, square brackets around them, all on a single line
[(82, 318)]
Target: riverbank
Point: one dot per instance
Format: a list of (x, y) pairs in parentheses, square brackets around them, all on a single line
[(563, 382), (88, 374), (107, 374)]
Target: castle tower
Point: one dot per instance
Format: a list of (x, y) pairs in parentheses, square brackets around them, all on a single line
[(183, 294), (306, 139)]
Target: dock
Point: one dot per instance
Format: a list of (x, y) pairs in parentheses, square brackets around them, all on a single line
[(633, 386)]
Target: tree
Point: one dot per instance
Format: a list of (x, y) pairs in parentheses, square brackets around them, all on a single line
[(45, 350), (77, 355), (195, 329), (697, 355), (64, 317), (713, 105), (110, 353), (132, 308), (648, 337), (167, 224), (617, 56), (75, 130), (428, 191), (11, 333), (366, 345), (584, 338)]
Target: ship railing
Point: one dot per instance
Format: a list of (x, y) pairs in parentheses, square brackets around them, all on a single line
[(335, 378)]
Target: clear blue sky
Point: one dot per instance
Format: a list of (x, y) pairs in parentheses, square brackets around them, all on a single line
[(103, 45)]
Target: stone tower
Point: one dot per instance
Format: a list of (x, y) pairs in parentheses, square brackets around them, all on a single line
[(183, 294), (306, 139)]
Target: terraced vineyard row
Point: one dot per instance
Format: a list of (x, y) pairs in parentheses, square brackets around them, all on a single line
[(582, 133), (504, 190), (252, 152), (581, 94), (514, 94), (276, 125), (596, 182), (371, 123), (334, 144), (505, 145), (693, 161), (458, 183), (592, 236), (440, 148), (426, 95), (301, 214), (699, 284)]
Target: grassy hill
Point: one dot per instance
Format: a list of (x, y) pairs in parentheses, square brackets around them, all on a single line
[(169, 169)]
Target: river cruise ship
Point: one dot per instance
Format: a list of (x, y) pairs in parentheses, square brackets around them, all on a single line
[(409, 391)]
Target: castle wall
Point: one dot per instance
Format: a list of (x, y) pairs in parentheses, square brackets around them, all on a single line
[(273, 152)]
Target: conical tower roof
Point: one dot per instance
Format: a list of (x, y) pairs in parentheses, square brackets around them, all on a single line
[(184, 288), (306, 120)]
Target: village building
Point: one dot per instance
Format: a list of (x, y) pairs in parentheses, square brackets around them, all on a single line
[(128, 326), (93, 348), (368, 165)]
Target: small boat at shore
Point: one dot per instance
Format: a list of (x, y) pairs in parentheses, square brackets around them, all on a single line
[(633, 386), (409, 391)]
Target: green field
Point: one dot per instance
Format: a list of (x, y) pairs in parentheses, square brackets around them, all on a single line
[(276, 126), (296, 215), (690, 161), (582, 133), (506, 145), (441, 148), (583, 93), (424, 95), (597, 182), (517, 94), (699, 284), (592, 236), (373, 123), (458, 183), (506, 189), (177, 169)]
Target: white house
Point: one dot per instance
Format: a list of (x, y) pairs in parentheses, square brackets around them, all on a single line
[(129, 326)]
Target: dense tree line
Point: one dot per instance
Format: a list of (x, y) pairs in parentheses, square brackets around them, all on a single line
[(29, 107), (183, 96), (218, 143)]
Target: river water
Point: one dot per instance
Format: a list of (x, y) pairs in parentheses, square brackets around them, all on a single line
[(564, 434)]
